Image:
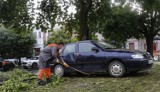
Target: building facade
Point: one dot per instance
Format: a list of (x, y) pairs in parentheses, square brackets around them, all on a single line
[(135, 44), (41, 38)]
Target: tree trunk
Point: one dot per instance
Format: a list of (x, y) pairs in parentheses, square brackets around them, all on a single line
[(19, 61), (85, 6), (149, 41), (124, 45)]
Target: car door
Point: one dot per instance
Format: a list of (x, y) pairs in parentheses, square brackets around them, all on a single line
[(88, 59), (69, 55)]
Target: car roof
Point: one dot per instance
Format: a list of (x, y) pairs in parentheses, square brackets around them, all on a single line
[(80, 41), (86, 41)]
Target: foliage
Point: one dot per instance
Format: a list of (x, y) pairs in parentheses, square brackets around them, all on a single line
[(121, 25), (61, 36), (15, 14), (15, 81), (21, 80), (105, 83), (98, 15), (7, 39), (98, 82), (84, 21), (49, 12), (24, 43), (14, 44), (70, 24), (84, 8), (69, 20), (149, 21)]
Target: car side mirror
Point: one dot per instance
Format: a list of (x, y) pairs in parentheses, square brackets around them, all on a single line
[(95, 49)]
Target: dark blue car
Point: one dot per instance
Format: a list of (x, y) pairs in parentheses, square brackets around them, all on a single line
[(92, 57)]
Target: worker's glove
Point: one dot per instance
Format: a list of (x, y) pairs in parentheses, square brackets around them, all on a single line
[(57, 61)]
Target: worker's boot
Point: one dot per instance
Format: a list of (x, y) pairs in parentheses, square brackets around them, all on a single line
[(48, 80), (41, 82)]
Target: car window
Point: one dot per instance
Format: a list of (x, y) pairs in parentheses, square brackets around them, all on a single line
[(61, 50), (85, 47), (105, 45), (34, 58), (69, 48)]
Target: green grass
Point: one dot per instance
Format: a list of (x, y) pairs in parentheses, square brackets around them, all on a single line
[(148, 81)]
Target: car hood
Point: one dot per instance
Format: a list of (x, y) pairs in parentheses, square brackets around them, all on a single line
[(145, 54), (30, 60), (125, 51)]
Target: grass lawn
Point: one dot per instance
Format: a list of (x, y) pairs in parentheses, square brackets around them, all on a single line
[(148, 81)]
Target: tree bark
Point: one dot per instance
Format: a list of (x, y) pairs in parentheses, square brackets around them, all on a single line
[(85, 6), (19, 61), (149, 42)]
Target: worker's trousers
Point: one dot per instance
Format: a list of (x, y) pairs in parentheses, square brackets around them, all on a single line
[(44, 68)]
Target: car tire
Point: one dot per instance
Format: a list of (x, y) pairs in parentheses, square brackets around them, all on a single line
[(34, 65), (116, 69), (58, 70), (12, 66)]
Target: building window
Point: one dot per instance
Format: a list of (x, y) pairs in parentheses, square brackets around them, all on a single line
[(35, 34), (39, 34), (131, 46)]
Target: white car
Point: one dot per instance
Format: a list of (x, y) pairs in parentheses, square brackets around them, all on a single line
[(15, 61), (30, 63)]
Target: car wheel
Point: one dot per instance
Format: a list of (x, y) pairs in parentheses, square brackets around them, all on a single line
[(116, 69), (34, 65), (12, 66), (58, 70)]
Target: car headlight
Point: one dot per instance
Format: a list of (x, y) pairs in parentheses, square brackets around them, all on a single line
[(137, 56)]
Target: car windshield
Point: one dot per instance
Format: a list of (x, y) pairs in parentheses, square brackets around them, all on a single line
[(105, 45)]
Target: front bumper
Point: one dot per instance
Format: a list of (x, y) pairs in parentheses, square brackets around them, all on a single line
[(28, 65), (137, 65)]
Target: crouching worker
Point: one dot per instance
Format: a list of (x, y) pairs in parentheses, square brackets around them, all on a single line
[(47, 56)]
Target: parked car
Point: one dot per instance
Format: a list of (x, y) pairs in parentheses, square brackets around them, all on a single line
[(14, 60), (92, 57), (6, 65), (30, 63)]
